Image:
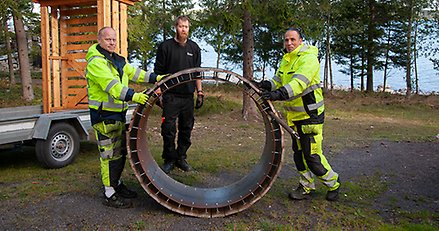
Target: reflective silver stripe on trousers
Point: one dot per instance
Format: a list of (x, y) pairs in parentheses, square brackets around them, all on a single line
[(330, 179), (106, 154), (311, 107), (136, 75), (104, 142), (307, 180)]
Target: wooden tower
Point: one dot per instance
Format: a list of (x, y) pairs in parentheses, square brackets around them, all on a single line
[(68, 29)]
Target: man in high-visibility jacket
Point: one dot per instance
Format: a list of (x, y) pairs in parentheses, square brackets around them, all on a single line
[(107, 76), (297, 82)]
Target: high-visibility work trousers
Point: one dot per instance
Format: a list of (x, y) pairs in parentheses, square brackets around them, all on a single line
[(309, 158), (110, 137), (181, 109)]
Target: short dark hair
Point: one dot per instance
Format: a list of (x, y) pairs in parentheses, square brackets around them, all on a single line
[(296, 29), (182, 18)]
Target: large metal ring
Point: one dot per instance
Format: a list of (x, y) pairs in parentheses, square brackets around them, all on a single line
[(205, 202)]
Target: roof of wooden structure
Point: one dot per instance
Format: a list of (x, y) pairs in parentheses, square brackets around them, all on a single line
[(76, 2)]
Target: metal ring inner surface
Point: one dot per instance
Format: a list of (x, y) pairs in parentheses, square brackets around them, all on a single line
[(196, 201)]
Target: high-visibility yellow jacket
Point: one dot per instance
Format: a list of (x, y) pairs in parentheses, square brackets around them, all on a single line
[(299, 75), (107, 77)]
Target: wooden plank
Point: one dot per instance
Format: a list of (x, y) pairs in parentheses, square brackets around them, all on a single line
[(79, 12), (81, 29), (75, 47), (78, 82), (63, 52), (107, 12), (100, 14), (62, 3), (104, 13), (77, 68), (45, 50), (77, 91), (115, 22), (80, 38), (74, 101), (55, 63), (76, 56), (123, 30), (84, 20)]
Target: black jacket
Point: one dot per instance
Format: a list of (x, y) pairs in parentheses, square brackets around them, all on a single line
[(171, 58)]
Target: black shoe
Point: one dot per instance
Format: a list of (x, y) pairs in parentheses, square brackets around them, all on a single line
[(183, 165), (300, 194), (117, 201), (333, 195), (124, 192), (168, 166)]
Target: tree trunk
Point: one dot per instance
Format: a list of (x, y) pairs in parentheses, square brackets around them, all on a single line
[(415, 63), (23, 58), (409, 51), (248, 106), (9, 52), (386, 62), (370, 46)]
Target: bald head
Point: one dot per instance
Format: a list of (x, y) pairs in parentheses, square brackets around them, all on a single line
[(107, 39)]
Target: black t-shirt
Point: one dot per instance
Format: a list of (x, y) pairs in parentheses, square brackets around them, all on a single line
[(171, 58)]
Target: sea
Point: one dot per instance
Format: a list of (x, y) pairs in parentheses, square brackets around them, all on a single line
[(428, 77)]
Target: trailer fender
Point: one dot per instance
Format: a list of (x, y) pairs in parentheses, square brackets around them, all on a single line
[(44, 122)]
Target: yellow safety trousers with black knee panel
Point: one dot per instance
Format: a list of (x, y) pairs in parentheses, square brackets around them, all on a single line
[(299, 74), (110, 138)]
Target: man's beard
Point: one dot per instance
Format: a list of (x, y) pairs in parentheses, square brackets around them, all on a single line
[(182, 37)]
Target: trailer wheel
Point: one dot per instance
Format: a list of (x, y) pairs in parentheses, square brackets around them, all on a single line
[(60, 147)]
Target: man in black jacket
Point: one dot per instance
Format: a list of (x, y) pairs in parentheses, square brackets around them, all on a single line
[(174, 55)]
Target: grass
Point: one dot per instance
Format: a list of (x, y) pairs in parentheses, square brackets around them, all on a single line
[(224, 145)]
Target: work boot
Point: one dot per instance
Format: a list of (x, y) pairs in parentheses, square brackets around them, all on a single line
[(300, 194), (168, 166), (333, 195), (117, 201), (124, 192), (183, 165)]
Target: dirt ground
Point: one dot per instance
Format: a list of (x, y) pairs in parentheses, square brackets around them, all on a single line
[(408, 169)]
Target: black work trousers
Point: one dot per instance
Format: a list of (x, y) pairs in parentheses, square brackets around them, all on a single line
[(177, 111)]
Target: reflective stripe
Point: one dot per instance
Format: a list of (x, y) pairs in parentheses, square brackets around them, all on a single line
[(330, 179), (311, 107), (306, 91), (104, 142), (289, 90), (136, 75), (111, 84), (308, 175), (107, 105), (106, 154), (307, 180), (276, 78), (303, 78), (304, 48), (93, 57), (123, 93), (148, 76), (314, 106)]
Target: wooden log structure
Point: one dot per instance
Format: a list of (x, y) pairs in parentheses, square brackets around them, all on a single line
[(68, 29)]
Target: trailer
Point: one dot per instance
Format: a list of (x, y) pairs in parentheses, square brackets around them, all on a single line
[(56, 136)]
